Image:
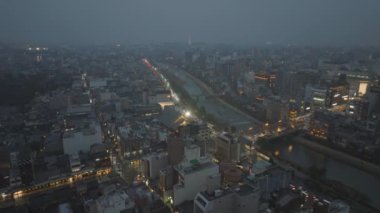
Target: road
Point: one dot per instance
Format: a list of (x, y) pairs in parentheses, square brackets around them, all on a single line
[(23, 192)]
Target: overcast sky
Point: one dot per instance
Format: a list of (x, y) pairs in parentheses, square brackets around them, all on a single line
[(342, 22)]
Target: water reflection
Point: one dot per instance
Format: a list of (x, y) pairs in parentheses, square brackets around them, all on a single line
[(305, 157), (290, 148)]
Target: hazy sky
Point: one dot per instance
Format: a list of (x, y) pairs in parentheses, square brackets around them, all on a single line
[(227, 21)]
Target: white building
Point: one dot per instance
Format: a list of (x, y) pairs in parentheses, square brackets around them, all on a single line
[(195, 174), (193, 179), (115, 202), (75, 164), (81, 139), (191, 153), (153, 163), (243, 199)]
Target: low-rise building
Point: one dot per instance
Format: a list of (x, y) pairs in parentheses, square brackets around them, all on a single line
[(82, 138), (240, 199), (115, 201)]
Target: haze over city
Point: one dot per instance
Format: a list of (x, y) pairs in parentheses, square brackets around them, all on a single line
[(189, 106), (294, 22)]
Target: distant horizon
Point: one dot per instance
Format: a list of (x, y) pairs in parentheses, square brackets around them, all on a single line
[(255, 22), (183, 43)]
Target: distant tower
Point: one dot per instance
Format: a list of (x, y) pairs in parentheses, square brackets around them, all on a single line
[(189, 41)]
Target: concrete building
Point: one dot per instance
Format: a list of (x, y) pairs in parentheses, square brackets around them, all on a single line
[(175, 149), (193, 179), (272, 179), (321, 124), (130, 143), (358, 83), (374, 99), (275, 110), (241, 199), (204, 132), (166, 178), (358, 109), (195, 174), (14, 173), (227, 148), (81, 138), (115, 202), (337, 94), (153, 163), (79, 104), (316, 96), (75, 164), (192, 153), (163, 98)]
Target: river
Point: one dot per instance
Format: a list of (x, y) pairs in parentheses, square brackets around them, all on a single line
[(296, 153), (211, 104), (303, 156)]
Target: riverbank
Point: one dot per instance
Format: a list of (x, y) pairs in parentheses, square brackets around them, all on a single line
[(206, 88), (207, 102), (326, 175), (340, 156)]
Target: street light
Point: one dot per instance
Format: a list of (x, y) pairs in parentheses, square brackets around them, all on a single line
[(187, 114)]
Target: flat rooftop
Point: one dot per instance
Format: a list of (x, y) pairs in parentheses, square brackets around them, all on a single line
[(242, 190), (197, 167)]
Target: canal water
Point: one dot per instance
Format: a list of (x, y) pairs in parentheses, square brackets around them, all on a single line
[(305, 157)]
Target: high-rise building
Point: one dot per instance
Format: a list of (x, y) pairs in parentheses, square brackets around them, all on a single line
[(153, 163), (166, 178), (337, 94), (194, 178), (275, 110), (292, 113), (321, 124), (227, 148), (373, 99), (270, 179), (194, 174), (175, 149), (358, 109), (316, 95), (359, 83)]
